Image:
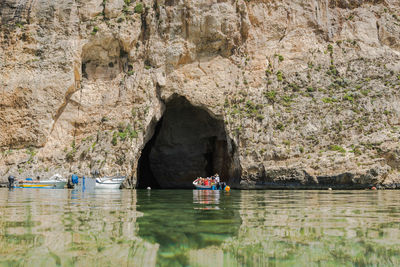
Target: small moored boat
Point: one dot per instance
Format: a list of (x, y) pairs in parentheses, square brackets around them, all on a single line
[(54, 182), (109, 182)]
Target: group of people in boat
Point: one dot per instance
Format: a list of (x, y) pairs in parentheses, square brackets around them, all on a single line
[(211, 181)]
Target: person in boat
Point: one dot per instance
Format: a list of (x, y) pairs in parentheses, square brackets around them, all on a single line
[(210, 180), (217, 181)]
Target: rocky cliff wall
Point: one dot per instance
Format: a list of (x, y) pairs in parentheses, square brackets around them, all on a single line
[(308, 91)]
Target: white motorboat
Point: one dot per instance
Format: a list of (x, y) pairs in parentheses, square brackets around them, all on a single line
[(54, 182), (109, 182)]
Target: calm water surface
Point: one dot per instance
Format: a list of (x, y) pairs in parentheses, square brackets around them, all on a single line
[(40, 227)]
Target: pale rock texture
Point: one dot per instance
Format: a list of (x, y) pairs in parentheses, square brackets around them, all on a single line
[(113, 8), (88, 8), (308, 91)]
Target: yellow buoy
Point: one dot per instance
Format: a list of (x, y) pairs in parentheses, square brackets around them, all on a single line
[(227, 188)]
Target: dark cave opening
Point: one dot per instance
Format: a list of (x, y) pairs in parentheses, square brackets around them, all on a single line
[(187, 143), (145, 174)]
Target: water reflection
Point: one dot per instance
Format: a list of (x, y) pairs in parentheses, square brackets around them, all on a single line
[(322, 227), (45, 227), (199, 228), (208, 198), (184, 221)]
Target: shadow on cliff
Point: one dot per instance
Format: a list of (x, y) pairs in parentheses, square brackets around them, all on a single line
[(188, 142)]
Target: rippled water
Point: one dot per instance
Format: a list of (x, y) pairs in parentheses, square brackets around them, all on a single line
[(199, 228)]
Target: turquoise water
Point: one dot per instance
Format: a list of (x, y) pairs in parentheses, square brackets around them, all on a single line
[(41, 227)]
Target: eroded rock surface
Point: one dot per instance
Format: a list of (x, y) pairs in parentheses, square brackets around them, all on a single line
[(307, 91)]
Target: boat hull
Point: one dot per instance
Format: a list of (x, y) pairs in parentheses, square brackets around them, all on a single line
[(108, 186), (41, 184), (109, 183), (203, 187), (207, 188)]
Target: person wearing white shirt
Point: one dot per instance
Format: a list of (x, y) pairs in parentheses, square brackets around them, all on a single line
[(216, 178)]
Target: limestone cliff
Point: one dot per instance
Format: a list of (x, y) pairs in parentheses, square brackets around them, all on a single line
[(300, 94)]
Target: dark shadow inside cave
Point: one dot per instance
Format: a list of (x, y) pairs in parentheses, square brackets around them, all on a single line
[(187, 143)]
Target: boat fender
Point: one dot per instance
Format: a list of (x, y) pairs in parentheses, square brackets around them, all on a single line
[(227, 188)]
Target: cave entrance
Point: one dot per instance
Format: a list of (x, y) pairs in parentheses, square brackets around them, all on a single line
[(187, 143)]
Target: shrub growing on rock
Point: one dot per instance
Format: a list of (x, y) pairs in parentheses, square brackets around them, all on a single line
[(139, 8), (114, 140), (270, 95), (279, 76), (337, 148), (95, 30)]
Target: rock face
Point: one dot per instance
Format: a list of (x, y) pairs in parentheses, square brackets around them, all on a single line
[(297, 94)]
